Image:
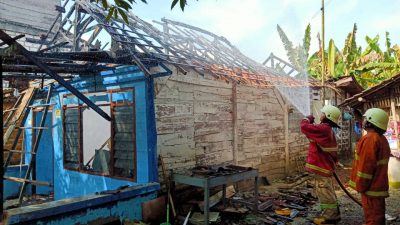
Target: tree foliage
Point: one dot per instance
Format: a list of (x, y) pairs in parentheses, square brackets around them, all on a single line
[(369, 67), (120, 8)]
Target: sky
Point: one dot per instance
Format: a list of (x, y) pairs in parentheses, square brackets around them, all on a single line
[(251, 25)]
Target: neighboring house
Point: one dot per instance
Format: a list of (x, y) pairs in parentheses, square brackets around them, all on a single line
[(346, 87), (28, 17), (386, 96), (31, 18), (183, 92)]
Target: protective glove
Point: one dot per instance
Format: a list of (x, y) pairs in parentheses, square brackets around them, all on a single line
[(310, 118)]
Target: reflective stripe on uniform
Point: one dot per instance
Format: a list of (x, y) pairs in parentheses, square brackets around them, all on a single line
[(328, 206), (325, 149), (356, 156), (314, 167), (352, 184), (382, 162), (328, 149), (377, 193), (364, 175)]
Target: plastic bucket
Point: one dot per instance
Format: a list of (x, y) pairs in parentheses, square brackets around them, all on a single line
[(394, 172)]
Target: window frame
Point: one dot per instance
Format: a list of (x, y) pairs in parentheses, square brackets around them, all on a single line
[(112, 104)]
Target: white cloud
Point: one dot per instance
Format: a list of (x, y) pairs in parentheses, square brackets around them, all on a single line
[(233, 19), (341, 7), (387, 23)]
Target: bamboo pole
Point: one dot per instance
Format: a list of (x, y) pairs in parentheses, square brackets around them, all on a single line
[(286, 122), (396, 129), (234, 123)]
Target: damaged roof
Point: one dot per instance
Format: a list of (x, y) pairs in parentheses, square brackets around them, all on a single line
[(179, 44)]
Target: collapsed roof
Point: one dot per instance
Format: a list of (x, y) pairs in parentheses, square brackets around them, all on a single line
[(84, 28), (79, 44)]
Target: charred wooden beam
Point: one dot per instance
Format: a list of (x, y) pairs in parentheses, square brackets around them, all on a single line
[(58, 68), (7, 39), (32, 76), (60, 10), (14, 38), (37, 41), (54, 46), (93, 57)]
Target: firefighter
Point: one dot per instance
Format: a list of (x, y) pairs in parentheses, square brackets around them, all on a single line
[(322, 159), (369, 174)]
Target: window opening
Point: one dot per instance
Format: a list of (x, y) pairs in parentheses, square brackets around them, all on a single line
[(94, 145)]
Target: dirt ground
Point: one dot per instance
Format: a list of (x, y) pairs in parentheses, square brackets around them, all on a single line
[(296, 189), (351, 213)]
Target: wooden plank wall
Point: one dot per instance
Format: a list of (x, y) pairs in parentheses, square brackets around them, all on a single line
[(298, 144), (195, 124), (8, 103), (261, 131)]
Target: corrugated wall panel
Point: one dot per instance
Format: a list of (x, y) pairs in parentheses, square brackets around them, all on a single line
[(30, 13)]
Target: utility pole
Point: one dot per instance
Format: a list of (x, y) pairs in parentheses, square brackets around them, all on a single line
[(323, 52)]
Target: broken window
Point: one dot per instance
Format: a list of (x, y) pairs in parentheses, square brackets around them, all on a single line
[(96, 133), (95, 145), (71, 138)]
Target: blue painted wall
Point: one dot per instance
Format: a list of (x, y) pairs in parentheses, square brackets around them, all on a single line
[(91, 209), (151, 132), (68, 183), (45, 151), (123, 210), (44, 158), (11, 188), (44, 171)]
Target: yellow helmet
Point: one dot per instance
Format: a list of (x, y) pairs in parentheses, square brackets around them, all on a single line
[(332, 113), (377, 117)]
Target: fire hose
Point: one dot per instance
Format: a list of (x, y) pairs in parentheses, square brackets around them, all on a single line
[(344, 189), (341, 184)]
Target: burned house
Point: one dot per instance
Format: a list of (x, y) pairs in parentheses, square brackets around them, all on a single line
[(98, 119)]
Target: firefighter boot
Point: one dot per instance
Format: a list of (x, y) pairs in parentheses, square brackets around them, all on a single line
[(319, 220)]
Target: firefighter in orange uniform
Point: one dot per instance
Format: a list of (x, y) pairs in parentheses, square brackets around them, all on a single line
[(369, 174), (322, 159)]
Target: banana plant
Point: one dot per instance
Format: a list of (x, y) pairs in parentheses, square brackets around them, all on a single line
[(396, 53), (369, 67), (297, 55), (374, 65), (388, 53), (331, 58), (350, 51), (334, 63)]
